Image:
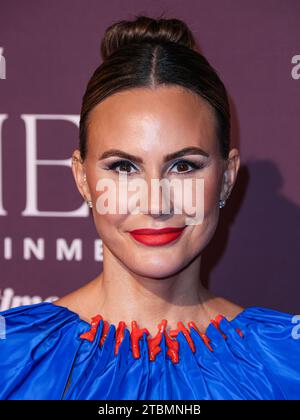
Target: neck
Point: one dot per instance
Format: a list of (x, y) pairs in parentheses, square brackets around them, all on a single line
[(119, 294)]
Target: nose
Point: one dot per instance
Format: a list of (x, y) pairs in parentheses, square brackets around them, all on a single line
[(160, 205)]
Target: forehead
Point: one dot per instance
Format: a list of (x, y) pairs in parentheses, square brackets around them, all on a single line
[(162, 117)]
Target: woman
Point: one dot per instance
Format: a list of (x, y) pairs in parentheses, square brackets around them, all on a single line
[(145, 327)]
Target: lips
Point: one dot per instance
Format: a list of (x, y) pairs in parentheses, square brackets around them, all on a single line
[(157, 237)]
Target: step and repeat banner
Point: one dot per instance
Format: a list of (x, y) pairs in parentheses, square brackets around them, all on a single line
[(48, 50)]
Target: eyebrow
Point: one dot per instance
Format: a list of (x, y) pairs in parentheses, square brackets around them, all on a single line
[(170, 156)]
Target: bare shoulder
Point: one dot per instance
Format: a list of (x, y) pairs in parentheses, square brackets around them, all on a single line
[(70, 301), (228, 308), (78, 301)]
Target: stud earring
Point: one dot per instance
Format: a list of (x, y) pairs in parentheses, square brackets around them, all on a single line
[(222, 203), (89, 203)]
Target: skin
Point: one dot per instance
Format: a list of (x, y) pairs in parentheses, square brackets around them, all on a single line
[(138, 282)]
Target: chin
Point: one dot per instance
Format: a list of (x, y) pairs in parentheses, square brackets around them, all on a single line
[(156, 266), (158, 274)]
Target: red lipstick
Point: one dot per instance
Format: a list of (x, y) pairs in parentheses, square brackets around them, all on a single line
[(157, 237)]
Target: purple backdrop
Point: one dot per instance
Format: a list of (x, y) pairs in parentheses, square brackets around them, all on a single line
[(50, 50)]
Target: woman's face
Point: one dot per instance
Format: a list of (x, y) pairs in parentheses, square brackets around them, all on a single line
[(151, 125)]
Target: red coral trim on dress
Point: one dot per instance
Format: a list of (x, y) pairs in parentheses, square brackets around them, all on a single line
[(135, 335), (204, 337), (90, 335), (216, 324), (154, 342), (120, 332), (182, 328)]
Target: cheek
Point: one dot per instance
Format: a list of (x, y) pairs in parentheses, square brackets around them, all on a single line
[(206, 196), (211, 193), (107, 227), (202, 233), (105, 208), (199, 235)]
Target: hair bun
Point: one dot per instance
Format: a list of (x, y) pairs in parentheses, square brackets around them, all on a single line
[(144, 29)]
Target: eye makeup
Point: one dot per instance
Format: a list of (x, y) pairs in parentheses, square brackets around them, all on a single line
[(126, 166)]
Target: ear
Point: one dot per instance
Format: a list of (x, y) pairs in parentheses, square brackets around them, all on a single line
[(79, 173), (230, 173)]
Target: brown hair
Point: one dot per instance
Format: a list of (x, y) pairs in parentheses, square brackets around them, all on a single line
[(148, 52)]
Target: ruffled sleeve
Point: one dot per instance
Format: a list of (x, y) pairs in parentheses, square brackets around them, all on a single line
[(39, 343), (272, 338)]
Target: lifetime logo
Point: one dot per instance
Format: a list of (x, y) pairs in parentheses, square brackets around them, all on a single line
[(2, 65)]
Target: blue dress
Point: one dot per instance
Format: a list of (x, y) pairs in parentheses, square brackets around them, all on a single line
[(48, 352)]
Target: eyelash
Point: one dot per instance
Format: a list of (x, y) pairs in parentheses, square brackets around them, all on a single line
[(195, 166)]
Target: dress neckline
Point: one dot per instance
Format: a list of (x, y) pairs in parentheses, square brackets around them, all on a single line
[(243, 312), (171, 337)]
